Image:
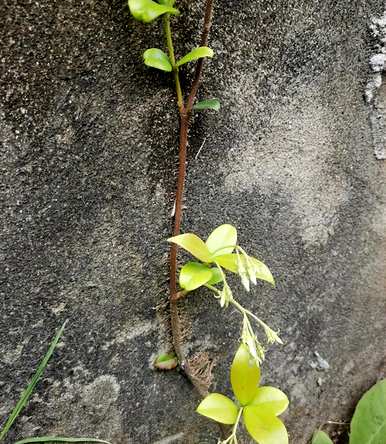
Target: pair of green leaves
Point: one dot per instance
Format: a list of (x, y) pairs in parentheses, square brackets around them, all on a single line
[(217, 252), (147, 10), (368, 425), (260, 406), (156, 58)]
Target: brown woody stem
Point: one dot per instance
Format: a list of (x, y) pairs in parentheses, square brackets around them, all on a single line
[(184, 113)]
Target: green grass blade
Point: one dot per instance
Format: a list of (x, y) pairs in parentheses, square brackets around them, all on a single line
[(59, 439), (31, 386)]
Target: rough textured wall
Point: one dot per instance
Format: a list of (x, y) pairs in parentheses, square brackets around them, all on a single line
[(87, 177)]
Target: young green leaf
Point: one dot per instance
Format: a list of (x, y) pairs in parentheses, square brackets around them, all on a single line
[(368, 425), (264, 427), (271, 400), (193, 275), (166, 361), (222, 240), (245, 376), (320, 437), (218, 407), (262, 271), (249, 339), (228, 261), (193, 244), (196, 53), (226, 295), (147, 10), (49, 439), (216, 278), (155, 58), (213, 104), (167, 2), (243, 270), (26, 394)]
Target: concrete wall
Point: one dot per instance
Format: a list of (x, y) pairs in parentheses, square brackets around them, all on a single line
[(87, 164)]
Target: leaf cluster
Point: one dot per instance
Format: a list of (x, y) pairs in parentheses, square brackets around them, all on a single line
[(214, 258), (258, 406), (220, 251), (218, 255), (147, 11)]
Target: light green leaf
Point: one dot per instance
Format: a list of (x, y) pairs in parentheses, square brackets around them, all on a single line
[(155, 58), (26, 394), (222, 240), (243, 269), (271, 400), (196, 53), (245, 376), (226, 295), (228, 261), (216, 277), (147, 10), (218, 407), (264, 427), (207, 104), (166, 361), (193, 244), (193, 275), (320, 437), (49, 439), (368, 425), (262, 271), (167, 2)]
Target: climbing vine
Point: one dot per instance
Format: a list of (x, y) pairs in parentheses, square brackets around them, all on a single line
[(258, 407), (219, 254)]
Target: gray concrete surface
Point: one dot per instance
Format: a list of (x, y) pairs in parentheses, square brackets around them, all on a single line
[(87, 167)]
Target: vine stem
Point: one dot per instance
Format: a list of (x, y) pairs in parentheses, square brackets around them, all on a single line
[(184, 117), (235, 427)]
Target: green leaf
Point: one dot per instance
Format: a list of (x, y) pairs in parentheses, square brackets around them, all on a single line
[(229, 262), (216, 277), (166, 361), (218, 407), (147, 10), (59, 439), (262, 271), (368, 425), (167, 2), (264, 427), (193, 275), (207, 104), (245, 376), (222, 240), (196, 53), (271, 400), (193, 244), (320, 437), (155, 58), (26, 394)]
